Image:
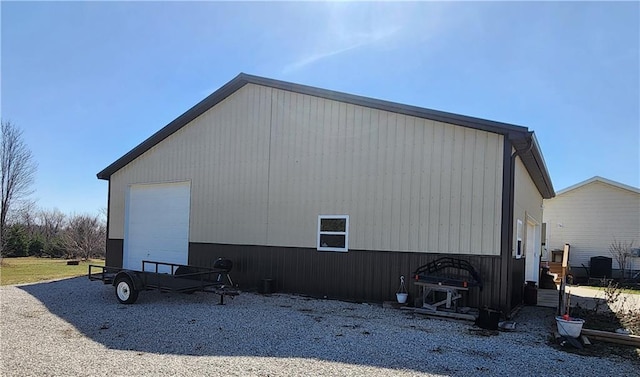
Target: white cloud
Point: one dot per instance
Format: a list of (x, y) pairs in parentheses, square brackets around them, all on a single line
[(347, 42), (343, 27)]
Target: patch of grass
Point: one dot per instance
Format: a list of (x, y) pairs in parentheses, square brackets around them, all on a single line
[(601, 317), (31, 269), (622, 290)]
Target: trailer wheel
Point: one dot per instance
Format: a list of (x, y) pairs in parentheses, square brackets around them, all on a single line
[(125, 292)]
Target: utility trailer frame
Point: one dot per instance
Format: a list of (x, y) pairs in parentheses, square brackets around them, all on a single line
[(166, 277)]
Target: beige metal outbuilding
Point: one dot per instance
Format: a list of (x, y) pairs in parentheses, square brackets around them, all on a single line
[(270, 165)]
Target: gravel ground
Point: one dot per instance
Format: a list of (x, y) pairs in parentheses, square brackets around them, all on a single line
[(76, 327)]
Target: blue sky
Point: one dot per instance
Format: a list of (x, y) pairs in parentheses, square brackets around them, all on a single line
[(88, 81)]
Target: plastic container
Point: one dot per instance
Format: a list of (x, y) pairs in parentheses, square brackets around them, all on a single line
[(600, 267), (531, 293), (267, 286), (569, 327), (401, 294), (488, 319)]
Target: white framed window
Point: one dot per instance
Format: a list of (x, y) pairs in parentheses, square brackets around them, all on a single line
[(333, 233)]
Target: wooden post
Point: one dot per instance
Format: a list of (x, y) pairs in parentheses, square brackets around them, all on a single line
[(561, 298), (565, 260), (605, 336)]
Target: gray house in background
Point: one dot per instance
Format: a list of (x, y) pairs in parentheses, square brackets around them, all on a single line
[(330, 194), (589, 216)]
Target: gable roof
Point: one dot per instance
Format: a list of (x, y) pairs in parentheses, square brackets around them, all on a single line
[(602, 180), (523, 140)]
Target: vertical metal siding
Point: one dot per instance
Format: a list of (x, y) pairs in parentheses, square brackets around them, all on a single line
[(114, 253), (224, 154), (360, 275), (492, 205), (408, 184), (265, 162), (435, 178), (517, 278)]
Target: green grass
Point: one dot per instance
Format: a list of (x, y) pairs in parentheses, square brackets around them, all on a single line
[(31, 270)]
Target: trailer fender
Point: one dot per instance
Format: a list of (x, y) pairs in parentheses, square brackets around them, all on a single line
[(138, 284)]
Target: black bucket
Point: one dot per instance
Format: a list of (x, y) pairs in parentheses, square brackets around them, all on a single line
[(267, 286), (531, 293), (488, 319)]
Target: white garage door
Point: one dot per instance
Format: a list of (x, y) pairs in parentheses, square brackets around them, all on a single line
[(157, 224)]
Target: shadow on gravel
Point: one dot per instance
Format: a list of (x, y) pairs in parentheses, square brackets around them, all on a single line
[(279, 326)]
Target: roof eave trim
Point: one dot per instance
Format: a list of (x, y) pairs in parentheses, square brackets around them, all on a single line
[(243, 79), (420, 112), (537, 168), (599, 179), (546, 177)]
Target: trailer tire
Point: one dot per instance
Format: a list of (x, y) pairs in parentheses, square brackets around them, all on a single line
[(125, 291)]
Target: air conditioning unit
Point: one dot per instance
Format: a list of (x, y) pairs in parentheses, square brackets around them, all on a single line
[(635, 252)]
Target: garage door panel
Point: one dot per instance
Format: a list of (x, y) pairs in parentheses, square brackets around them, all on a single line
[(157, 224)]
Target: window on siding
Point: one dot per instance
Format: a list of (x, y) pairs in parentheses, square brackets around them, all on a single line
[(333, 233)]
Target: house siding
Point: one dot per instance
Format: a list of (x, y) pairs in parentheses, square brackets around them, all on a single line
[(265, 162), (589, 218)]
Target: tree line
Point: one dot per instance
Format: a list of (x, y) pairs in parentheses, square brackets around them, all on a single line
[(51, 233), (27, 231)]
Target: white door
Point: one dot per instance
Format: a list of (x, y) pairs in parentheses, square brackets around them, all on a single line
[(532, 256), (156, 224)]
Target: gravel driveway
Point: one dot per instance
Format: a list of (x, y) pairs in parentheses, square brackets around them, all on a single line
[(76, 327)]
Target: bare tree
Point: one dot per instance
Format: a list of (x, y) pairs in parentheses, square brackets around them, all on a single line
[(26, 214), (84, 236), (51, 223), (51, 226), (17, 172), (621, 252)]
